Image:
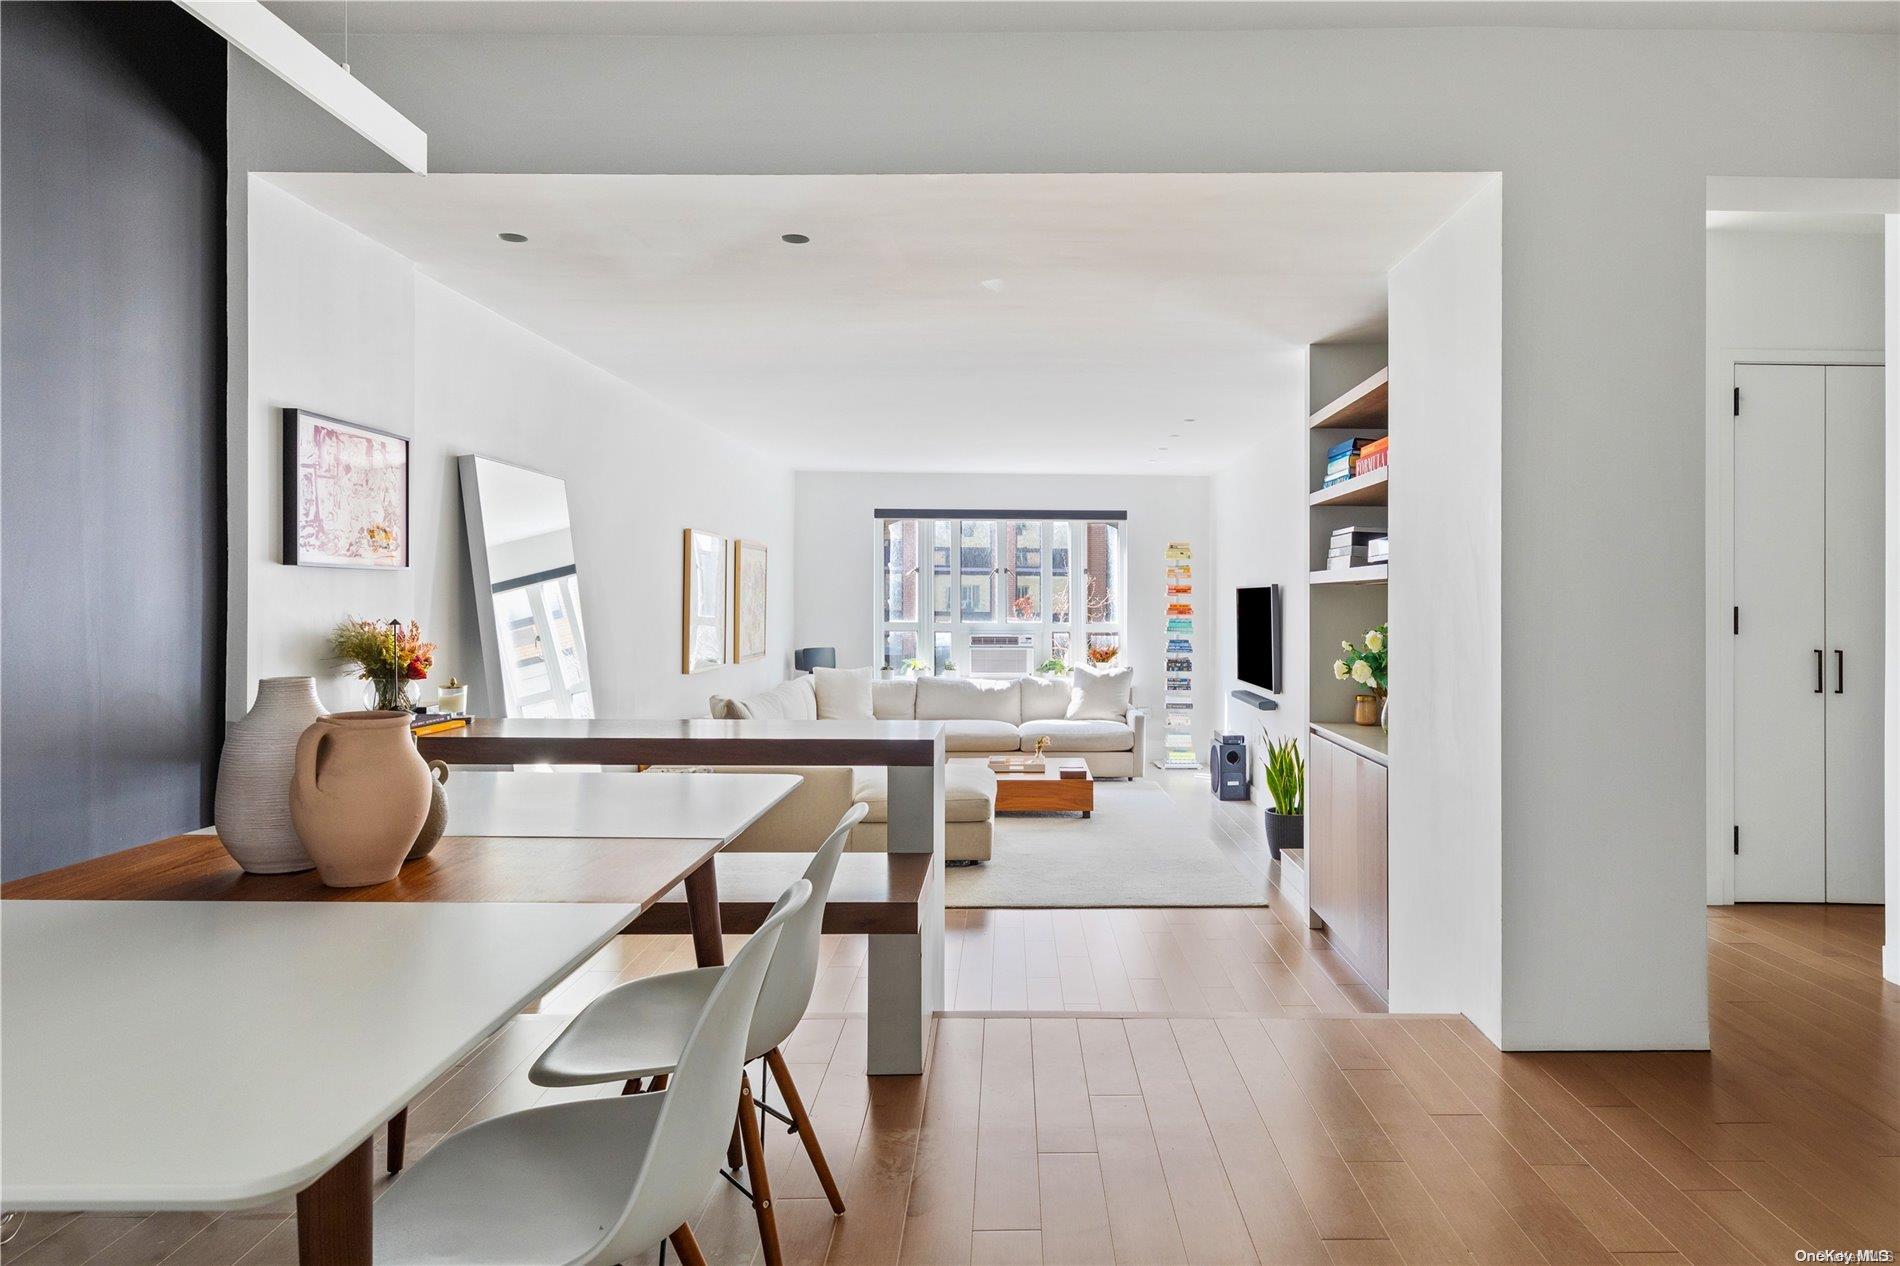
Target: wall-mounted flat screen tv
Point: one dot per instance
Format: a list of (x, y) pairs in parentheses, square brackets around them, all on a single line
[(1257, 636)]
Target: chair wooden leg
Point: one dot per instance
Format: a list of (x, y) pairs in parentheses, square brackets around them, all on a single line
[(632, 1087), (735, 1154), (756, 1176), (398, 1137), (800, 1119), (686, 1246)]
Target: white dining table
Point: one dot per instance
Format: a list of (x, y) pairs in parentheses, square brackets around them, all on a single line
[(161, 1053), (652, 805), (225, 1054)]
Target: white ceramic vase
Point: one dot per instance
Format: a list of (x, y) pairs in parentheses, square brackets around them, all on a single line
[(255, 773)]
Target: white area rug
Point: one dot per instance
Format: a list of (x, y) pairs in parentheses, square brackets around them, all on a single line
[(1140, 849)]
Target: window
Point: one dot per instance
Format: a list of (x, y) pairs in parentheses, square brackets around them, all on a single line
[(976, 569), (900, 571), (1014, 579)]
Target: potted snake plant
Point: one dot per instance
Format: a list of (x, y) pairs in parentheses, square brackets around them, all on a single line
[(1286, 783)]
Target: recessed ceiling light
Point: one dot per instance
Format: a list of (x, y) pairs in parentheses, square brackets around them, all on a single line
[(512, 237), (796, 239)]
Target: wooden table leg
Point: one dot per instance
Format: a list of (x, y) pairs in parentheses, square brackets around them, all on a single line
[(702, 907), (333, 1213)]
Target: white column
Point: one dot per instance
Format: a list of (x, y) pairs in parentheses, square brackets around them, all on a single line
[(907, 971)]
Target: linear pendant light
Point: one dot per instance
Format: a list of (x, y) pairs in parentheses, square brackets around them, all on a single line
[(273, 44)]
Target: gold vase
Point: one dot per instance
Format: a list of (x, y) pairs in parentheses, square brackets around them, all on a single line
[(1365, 709)]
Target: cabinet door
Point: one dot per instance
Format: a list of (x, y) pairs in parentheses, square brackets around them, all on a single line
[(1856, 678), (1322, 884), (1780, 648), (1371, 951)]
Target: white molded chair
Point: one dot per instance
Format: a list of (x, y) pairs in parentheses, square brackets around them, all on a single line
[(639, 1029), (598, 1181)]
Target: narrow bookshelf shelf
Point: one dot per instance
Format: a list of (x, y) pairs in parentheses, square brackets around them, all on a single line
[(1362, 406), (1370, 574), (1361, 490)]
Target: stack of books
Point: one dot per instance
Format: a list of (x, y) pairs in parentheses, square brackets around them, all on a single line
[(1349, 548), (422, 723), (1377, 550), (1340, 458), (1072, 769), (1371, 457)]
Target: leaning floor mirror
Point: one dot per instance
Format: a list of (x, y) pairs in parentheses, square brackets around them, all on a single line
[(527, 591)]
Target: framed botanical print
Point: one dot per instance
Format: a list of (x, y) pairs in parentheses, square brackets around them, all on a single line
[(346, 494), (748, 601), (703, 603)]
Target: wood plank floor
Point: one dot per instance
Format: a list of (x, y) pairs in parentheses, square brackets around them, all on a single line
[(1205, 1086)]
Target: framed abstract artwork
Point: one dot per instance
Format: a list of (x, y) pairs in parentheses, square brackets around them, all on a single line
[(748, 601), (346, 494), (703, 603)]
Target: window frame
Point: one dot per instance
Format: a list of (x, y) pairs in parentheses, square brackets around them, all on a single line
[(929, 624)]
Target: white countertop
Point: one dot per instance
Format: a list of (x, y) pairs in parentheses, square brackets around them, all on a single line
[(220, 1055), (1368, 741), (651, 805)]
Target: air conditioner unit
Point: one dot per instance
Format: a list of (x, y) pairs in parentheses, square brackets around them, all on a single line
[(1000, 654)]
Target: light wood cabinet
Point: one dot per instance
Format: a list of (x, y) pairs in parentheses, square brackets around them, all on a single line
[(1346, 854)]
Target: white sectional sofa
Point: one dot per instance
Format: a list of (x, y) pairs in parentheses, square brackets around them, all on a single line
[(981, 717)]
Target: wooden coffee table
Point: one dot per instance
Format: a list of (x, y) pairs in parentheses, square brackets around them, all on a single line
[(1048, 791)]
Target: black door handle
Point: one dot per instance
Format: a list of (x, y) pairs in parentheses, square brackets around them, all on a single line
[(1840, 671), (1820, 671)]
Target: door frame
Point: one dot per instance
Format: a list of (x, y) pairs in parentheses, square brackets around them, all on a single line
[(1718, 501)]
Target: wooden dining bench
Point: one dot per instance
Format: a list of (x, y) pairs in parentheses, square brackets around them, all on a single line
[(875, 894)]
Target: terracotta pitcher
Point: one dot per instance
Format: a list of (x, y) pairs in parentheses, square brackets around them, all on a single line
[(360, 795)]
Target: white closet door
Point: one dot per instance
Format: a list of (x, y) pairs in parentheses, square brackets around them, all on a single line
[(1780, 649), (1856, 680)]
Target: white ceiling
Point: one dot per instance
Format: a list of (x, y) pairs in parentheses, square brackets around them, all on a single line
[(778, 17), (1008, 322)]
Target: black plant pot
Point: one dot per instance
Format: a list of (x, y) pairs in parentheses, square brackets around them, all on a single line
[(1285, 830)]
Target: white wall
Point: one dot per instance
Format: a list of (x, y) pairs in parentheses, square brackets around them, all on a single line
[(1794, 291), (1259, 513), (342, 325), (1605, 138), (837, 558), (1768, 291), (1891, 958), (1451, 882)]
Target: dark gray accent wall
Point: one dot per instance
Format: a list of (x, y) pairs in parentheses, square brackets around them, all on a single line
[(112, 540)]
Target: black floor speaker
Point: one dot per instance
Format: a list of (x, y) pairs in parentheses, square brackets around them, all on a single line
[(1227, 763)]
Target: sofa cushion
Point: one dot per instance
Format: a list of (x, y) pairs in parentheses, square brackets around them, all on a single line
[(844, 694), (1080, 736), (969, 792), (792, 700), (1044, 698), (1100, 695), (967, 699), (894, 700), (981, 736)]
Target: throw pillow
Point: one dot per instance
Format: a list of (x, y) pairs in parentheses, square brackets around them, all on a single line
[(1100, 695), (844, 694)]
